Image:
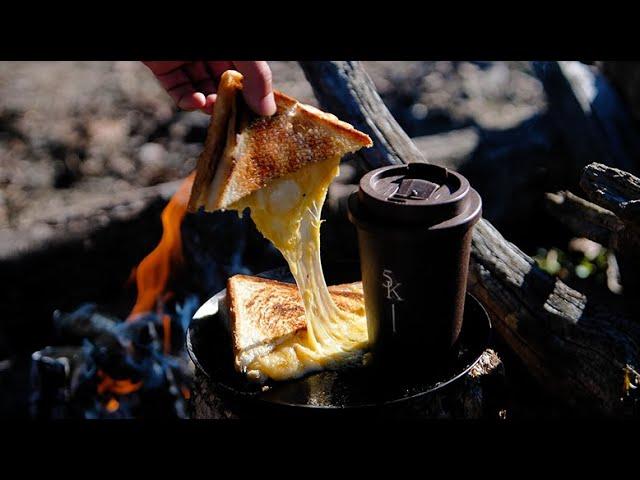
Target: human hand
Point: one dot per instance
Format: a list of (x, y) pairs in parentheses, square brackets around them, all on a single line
[(193, 85)]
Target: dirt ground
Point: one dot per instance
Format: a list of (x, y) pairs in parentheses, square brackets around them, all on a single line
[(70, 131)]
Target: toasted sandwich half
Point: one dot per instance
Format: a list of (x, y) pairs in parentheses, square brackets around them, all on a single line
[(265, 314), (244, 152)]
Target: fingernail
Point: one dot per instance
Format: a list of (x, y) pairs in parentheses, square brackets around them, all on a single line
[(193, 102), (210, 101)]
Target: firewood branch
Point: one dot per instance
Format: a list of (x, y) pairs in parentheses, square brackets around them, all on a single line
[(584, 218), (614, 189), (585, 354), (619, 191)]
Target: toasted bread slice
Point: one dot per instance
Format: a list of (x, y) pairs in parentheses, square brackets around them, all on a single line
[(264, 313), (244, 152)]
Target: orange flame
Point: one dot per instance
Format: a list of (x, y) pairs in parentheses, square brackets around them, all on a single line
[(153, 272), (112, 405), (166, 343), (119, 387), (186, 393)]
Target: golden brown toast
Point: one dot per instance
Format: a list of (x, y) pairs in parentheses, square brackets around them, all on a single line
[(244, 152), (264, 313)]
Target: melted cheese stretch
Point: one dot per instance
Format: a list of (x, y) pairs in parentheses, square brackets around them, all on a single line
[(287, 212)]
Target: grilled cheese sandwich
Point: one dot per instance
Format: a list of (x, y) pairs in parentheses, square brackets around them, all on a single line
[(280, 168), (268, 319)]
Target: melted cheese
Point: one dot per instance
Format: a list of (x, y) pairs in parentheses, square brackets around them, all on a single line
[(287, 212)]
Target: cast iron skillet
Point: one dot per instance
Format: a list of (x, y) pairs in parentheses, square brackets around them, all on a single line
[(209, 346)]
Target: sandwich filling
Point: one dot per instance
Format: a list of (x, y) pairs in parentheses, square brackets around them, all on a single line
[(287, 212)]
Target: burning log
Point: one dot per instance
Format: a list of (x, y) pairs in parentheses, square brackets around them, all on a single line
[(126, 369), (584, 354), (85, 323), (52, 372), (114, 368), (138, 367)]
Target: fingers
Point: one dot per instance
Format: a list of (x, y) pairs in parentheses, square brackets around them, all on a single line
[(172, 79), (217, 68), (188, 99), (200, 77), (210, 100), (160, 67), (203, 81), (257, 88), (185, 82), (192, 85)]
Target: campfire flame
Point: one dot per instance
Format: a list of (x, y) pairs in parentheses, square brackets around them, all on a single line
[(119, 387), (152, 275), (154, 271), (112, 405), (166, 340)]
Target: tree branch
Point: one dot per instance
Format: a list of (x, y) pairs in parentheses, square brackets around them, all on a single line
[(614, 189), (584, 218), (619, 191)]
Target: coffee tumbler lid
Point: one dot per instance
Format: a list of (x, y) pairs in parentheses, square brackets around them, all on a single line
[(418, 193)]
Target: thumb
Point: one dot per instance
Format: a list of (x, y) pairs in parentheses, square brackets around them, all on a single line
[(257, 87)]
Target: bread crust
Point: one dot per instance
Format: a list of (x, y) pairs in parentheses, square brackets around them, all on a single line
[(216, 140), (244, 152)]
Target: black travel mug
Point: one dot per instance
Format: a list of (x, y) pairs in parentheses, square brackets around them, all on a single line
[(414, 226)]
